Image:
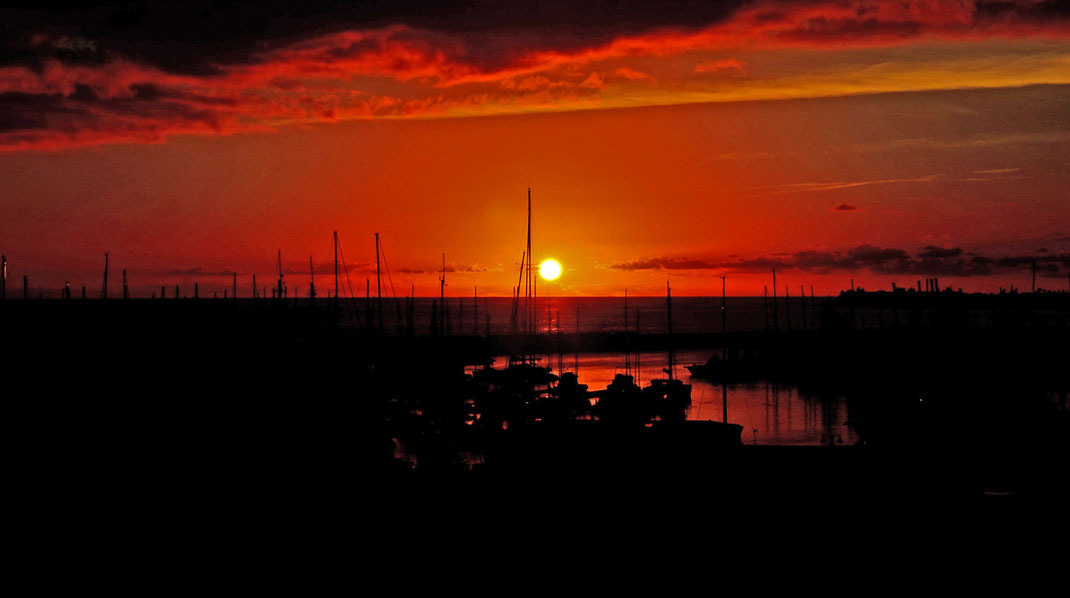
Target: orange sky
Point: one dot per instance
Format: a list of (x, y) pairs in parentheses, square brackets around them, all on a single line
[(834, 140)]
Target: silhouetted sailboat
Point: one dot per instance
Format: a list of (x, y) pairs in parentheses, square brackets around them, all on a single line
[(668, 397), (523, 369)]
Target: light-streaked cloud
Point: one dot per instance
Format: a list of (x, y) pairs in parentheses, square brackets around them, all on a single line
[(76, 90)]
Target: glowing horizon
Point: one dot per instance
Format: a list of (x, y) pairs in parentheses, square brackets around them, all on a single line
[(832, 140)]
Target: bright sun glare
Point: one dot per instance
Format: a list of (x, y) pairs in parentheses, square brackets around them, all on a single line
[(550, 269)]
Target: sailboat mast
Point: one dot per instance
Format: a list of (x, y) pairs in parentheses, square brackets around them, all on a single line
[(627, 362), (514, 322), (529, 307), (776, 324), (336, 265), (442, 296), (672, 355), (280, 289), (378, 285), (724, 351)]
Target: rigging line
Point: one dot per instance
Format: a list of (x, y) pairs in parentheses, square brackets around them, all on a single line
[(382, 251), (352, 297), (397, 304), (345, 268)]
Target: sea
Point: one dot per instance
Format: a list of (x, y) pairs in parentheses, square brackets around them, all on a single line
[(470, 315)]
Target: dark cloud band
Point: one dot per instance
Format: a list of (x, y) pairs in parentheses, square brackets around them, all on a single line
[(930, 261)]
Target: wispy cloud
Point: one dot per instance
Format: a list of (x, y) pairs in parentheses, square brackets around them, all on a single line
[(717, 66), (475, 268), (83, 81), (837, 185), (997, 171)]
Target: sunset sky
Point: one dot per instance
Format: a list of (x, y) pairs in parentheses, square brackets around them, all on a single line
[(831, 139)]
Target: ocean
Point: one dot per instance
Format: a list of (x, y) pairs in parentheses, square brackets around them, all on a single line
[(589, 314)]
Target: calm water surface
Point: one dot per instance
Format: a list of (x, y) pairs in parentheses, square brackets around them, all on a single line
[(770, 413)]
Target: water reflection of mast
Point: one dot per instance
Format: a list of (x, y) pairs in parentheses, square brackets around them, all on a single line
[(776, 411)]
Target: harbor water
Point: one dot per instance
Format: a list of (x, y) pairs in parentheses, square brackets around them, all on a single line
[(770, 413)]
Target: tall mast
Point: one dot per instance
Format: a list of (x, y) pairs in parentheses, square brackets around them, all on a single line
[(529, 307), (765, 305), (627, 354), (311, 280), (672, 356), (776, 324), (442, 296), (104, 291), (724, 351), (378, 285), (336, 265), (282, 287), (724, 321), (514, 322)]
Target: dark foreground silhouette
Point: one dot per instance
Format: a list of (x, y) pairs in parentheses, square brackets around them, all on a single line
[(196, 420)]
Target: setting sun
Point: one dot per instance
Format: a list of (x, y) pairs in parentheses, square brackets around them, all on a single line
[(550, 269)]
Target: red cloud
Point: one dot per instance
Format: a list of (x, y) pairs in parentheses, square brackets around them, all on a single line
[(714, 66), (399, 71)]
